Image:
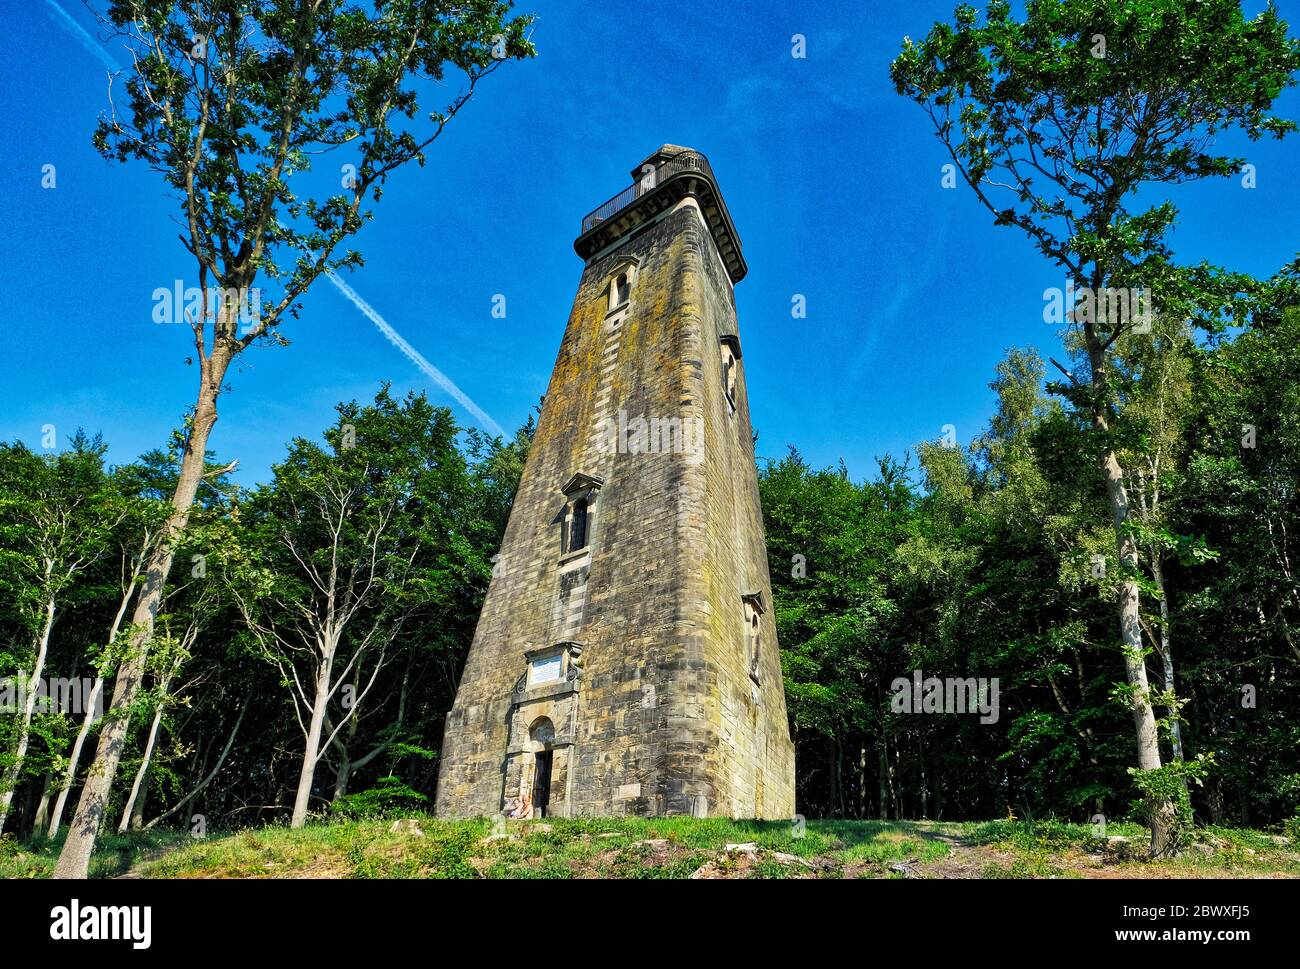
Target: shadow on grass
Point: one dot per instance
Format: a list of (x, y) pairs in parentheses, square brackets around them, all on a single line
[(115, 854)]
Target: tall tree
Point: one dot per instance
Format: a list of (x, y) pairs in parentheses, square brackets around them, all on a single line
[(229, 100), (345, 545), (1153, 374), (1055, 122)]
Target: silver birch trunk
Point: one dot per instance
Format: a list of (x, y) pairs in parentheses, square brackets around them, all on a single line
[(129, 808), (74, 758), (43, 806), (10, 782), (312, 747), (1130, 618)]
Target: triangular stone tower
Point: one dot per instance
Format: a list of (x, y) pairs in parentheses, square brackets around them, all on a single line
[(626, 661)]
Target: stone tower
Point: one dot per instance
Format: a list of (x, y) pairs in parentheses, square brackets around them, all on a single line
[(625, 661)]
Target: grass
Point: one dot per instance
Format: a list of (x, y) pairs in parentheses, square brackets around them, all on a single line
[(115, 854), (665, 848)]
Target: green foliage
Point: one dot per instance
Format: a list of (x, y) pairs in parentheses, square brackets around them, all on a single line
[(1056, 118), (962, 567), (1292, 828), (233, 101), (389, 798), (63, 515), (1166, 789), (984, 567), (1050, 834), (1064, 119)]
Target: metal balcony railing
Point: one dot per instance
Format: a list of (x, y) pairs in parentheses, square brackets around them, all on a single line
[(685, 161)]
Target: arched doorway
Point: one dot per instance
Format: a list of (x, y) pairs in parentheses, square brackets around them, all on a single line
[(542, 737)]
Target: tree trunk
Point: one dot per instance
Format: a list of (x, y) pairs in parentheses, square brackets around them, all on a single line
[(897, 794), (342, 776), (10, 782), (311, 751), (1214, 799), (137, 814), (1160, 810), (74, 758), (42, 807), (137, 786), (133, 810), (862, 780), (74, 860), (1144, 721), (925, 793), (1167, 658), (1167, 663), (882, 778), (837, 778), (938, 795)]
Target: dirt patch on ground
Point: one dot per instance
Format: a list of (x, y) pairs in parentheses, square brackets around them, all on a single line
[(966, 860)]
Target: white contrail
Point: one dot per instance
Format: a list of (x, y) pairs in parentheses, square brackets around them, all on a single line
[(395, 338), (84, 39)]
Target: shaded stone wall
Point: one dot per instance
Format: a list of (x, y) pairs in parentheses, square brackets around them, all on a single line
[(664, 716)]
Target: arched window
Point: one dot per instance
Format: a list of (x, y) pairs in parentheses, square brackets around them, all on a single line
[(542, 732), (578, 527)]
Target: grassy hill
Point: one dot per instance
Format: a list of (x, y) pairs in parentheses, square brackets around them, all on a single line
[(422, 847)]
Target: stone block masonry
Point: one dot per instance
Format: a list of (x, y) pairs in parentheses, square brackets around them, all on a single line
[(625, 661)]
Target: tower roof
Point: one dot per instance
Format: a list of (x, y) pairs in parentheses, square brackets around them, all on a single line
[(657, 157), (664, 177)]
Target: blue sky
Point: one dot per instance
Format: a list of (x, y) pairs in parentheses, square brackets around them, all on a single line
[(832, 179)]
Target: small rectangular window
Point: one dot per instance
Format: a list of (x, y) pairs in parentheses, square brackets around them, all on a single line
[(753, 634), (578, 528), (620, 290), (729, 367)]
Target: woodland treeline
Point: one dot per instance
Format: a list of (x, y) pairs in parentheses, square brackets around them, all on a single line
[(997, 560), (312, 632), (331, 609)]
